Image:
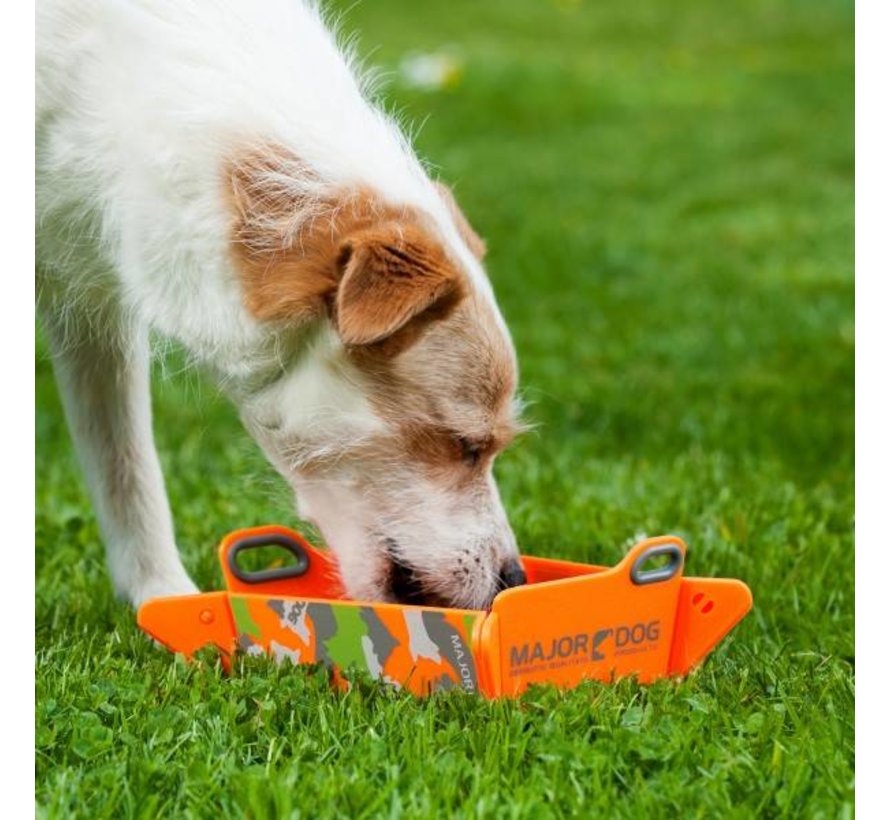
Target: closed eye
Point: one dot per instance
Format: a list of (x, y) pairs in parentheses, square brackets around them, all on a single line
[(470, 452), (468, 449)]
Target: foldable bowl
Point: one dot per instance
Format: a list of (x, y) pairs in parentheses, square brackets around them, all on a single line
[(571, 622)]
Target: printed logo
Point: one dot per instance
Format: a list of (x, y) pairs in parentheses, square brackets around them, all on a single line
[(467, 678), (584, 647)]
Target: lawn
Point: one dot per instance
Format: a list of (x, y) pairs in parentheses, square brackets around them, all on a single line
[(667, 194)]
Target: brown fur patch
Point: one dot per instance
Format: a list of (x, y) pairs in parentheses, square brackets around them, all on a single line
[(391, 273), (373, 268), (450, 392)]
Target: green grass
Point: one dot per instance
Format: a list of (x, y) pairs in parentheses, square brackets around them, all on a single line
[(667, 194)]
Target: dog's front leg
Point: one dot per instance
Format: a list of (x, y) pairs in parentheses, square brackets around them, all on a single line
[(104, 383)]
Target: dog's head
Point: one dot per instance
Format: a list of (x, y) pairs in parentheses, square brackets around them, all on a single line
[(388, 415)]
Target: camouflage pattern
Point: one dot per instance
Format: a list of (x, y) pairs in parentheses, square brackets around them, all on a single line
[(418, 649)]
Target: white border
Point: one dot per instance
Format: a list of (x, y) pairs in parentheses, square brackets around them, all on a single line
[(872, 401), (17, 425)]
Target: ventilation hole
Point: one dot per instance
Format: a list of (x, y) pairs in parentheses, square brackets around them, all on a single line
[(697, 598), (707, 607)]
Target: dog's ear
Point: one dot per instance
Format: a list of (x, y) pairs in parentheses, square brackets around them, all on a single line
[(391, 273), (283, 236), (302, 250), (474, 242)]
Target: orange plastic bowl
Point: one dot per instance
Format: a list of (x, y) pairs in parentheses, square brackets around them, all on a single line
[(571, 622)]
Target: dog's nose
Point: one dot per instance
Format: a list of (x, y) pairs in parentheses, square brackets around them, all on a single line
[(512, 574)]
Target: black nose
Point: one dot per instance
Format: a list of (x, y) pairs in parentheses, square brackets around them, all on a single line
[(512, 574)]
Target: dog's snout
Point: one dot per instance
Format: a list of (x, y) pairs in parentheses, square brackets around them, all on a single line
[(448, 584), (404, 583), (512, 574)]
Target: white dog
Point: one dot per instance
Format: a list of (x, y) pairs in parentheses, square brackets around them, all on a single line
[(213, 171)]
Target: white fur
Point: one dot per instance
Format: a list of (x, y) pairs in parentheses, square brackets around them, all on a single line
[(139, 105)]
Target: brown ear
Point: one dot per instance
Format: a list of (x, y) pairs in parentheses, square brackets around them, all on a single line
[(474, 242), (281, 239), (391, 274)]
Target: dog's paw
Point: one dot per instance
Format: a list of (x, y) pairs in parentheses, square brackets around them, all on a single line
[(162, 587)]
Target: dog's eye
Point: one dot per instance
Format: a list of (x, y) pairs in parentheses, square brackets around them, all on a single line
[(470, 451)]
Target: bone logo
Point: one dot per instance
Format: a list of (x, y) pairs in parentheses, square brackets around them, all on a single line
[(627, 637), (598, 638), (585, 647)]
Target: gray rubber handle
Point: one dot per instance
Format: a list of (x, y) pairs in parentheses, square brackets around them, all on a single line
[(652, 576), (275, 574)]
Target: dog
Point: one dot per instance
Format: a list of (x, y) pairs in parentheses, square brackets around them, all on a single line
[(216, 172)]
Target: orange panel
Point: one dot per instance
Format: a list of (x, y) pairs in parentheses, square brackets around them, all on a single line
[(185, 623), (707, 609), (321, 579), (601, 625)]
